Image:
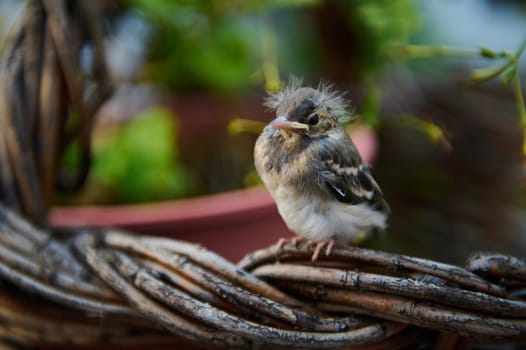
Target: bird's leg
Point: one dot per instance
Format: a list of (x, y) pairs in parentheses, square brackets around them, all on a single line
[(284, 241), (318, 245), (329, 243)]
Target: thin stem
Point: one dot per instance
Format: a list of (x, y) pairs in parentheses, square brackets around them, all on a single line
[(430, 51), (488, 73), (507, 69), (270, 57), (517, 89), (240, 125)]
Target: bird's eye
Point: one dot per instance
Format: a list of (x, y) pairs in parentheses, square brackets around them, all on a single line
[(313, 119)]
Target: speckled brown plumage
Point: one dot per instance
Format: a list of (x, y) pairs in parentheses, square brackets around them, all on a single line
[(313, 171)]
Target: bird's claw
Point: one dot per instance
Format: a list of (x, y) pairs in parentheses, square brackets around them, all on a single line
[(282, 242), (319, 246)]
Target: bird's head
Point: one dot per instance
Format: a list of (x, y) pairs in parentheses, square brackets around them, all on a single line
[(306, 113)]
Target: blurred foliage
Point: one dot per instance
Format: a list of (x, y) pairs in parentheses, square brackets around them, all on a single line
[(382, 25), (246, 46), (238, 125), (232, 45), (196, 48), (235, 46), (207, 44), (509, 73), (299, 44), (138, 160), (506, 69), (434, 133), (370, 114)]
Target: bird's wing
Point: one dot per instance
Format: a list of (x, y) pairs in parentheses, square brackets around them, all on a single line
[(350, 181)]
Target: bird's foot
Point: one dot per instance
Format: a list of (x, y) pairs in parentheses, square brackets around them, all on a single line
[(318, 246), (282, 242), (329, 244)]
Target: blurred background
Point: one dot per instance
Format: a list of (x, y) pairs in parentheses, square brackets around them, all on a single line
[(436, 83)]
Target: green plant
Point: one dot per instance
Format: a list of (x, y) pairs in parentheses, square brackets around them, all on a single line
[(207, 44), (380, 25), (506, 67), (138, 161), (230, 46)]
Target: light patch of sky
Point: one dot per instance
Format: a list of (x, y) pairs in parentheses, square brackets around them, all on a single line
[(474, 23), (10, 11), (127, 48)]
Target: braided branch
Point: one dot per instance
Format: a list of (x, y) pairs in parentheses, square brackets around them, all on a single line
[(113, 289)]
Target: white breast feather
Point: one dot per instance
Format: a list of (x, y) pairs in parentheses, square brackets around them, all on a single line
[(340, 221)]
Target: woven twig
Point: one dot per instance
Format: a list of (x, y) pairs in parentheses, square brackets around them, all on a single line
[(43, 93), (113, 289)]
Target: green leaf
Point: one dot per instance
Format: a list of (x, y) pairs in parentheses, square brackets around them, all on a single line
[(139, 160)]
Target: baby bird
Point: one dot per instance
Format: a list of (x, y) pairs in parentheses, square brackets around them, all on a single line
[(312, 169)]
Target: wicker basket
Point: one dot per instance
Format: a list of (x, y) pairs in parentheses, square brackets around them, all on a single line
[(106, 288)]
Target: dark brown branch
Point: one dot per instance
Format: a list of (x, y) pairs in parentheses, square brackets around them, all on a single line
[(152, 310), (407, 287), (409, 311), (149, 246), (52, 114), (33, 50), (235, 295), (19, 150), (179, 281), (366, 257), (497, 266), (33, 285), (231, 324)]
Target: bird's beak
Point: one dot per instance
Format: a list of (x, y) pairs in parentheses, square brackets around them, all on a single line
[(284, 124)]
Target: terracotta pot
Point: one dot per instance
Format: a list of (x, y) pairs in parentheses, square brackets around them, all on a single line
[(231, 223)]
